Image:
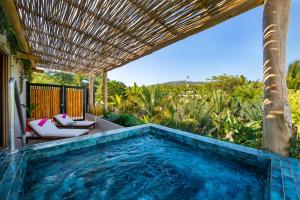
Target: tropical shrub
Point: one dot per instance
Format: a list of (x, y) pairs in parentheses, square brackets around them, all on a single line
[(115, 88), (294, 101), (295, 147), (96, 110), (293, 75), (58, 78), (122, 119)]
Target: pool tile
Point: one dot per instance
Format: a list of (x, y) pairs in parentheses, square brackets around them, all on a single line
[(276, 195)]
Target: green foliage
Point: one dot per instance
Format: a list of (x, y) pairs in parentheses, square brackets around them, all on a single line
[(115, 88), (226, 83), (293, 75), (123, 119), (293, 82), (58, 78), (6, 29), (294, 101), (295, 148), (96, 110), (151, 98), (30, 108), (227, 108), (250, 92)]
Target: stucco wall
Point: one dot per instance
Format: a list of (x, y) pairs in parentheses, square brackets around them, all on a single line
[(15, 69), (102, 124)]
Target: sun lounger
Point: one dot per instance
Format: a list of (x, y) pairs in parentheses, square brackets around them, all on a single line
[(44, 128), (65, 121)]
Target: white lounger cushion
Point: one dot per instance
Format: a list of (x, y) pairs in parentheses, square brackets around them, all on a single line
[(50, 130), (65, 121)]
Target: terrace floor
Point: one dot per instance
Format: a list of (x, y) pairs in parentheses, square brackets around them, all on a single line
[(102, 125), (37, 140)]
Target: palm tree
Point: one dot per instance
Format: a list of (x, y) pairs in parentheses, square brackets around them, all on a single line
[(293, 75), (252, 112), (117, 102), (219, 101), (151, 98)]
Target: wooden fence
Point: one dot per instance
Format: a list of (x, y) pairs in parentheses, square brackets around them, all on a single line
[(51, 100), (74, 102)]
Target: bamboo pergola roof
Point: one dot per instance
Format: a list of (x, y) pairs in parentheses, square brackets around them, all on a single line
[(99, 35)]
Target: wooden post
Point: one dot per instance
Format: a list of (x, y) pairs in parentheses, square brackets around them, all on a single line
[(104, 90), (91, 91), (277, 115)]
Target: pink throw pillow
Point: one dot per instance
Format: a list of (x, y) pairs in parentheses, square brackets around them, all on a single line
[(64, 115), (42, 122)]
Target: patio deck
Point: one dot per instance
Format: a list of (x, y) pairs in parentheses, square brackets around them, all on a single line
[(37, 140), (102, 125)]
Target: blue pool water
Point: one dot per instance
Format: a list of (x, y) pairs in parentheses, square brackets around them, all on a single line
[(142, 167)]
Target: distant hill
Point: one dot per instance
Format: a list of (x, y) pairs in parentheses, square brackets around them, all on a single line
[(181, 83)]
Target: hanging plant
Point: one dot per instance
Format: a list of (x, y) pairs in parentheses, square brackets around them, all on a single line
[(6, 29)]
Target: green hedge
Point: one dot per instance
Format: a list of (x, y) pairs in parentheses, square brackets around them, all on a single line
[(122, 119)]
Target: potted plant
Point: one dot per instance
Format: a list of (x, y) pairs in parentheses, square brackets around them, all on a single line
[(29, 109)]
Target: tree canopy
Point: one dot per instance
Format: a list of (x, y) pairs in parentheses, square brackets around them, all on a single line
[(58, 78)]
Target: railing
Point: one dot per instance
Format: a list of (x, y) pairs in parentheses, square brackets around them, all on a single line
[(14, 102)]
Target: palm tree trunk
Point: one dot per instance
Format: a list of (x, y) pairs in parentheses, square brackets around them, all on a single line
[(277, 115)]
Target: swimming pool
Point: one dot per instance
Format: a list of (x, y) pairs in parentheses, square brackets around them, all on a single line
[(147, 162)]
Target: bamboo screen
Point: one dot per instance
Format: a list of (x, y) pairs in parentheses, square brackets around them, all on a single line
[(93, 36), (47, 101), (75, 102)]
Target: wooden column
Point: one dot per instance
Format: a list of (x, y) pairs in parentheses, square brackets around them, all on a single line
[(277, 115), (91, 91), (104, 90)]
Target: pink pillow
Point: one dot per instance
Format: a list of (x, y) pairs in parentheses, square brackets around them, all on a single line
[(64, 115), (42, 122)]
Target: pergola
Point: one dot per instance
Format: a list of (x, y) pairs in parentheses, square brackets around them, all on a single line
[(94, 37)]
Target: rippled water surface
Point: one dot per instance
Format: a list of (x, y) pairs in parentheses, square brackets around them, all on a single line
[(143, 168)]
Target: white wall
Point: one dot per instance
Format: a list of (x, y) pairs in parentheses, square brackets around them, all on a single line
[(15, 69), (16, 73)]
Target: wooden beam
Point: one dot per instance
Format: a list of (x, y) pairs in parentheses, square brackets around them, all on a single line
[(212, 21), (10, 10), (38, 70), (104, 90), (277, 123), (28, 56)]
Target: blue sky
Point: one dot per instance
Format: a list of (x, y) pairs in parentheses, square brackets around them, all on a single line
[(233, 47)]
